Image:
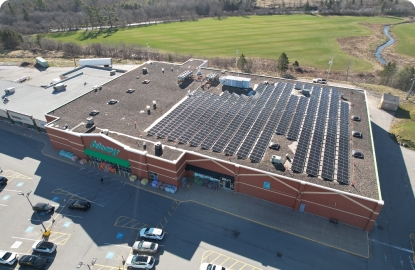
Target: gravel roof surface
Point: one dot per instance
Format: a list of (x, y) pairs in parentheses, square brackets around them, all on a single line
[(163, 88)]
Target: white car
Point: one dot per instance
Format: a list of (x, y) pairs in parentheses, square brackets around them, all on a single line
[(140, 262), (152, 233), (44, 247), (8, 257), (210, 266)]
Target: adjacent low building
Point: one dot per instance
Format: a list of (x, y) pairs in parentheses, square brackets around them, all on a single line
[(389, 102)]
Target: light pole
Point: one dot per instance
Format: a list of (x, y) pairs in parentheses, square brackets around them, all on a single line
[(92, 263), (410, 89), (47, 232), (330, 63)]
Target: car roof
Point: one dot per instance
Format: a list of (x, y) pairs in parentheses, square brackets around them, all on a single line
[(44, 244), (40, 204), (28, 258)]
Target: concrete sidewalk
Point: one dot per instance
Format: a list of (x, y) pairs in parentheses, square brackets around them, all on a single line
[(340, 236)]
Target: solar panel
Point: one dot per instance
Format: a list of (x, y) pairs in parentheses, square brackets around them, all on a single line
[(287, 115), (343, 152)]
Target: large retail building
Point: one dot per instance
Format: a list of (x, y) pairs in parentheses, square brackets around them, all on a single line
[(175, 126)]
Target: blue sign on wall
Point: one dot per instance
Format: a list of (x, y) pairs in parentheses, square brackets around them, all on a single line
[(267, 185)]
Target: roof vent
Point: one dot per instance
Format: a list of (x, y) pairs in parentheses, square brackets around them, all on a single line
[(130, 91), (357, 134), (112, 101), (97, 87), (158, 149), (144, 146), (90, 121), (94, 112), (355, 118), (104, 131), (154, 105), (148, 109), (112, 72)]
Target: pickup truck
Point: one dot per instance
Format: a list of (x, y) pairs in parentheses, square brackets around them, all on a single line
[(319, 80)]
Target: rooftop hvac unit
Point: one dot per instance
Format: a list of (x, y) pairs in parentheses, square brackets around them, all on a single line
[(112, 101), (94, 112), (212, 76), (145, 71), (9, 90), (199, 72), (90, 121), (185, 75), (112, 72), (97, 87), (22, 79), (130, 91), (305, 92), (59, 87), (276, 160), (104, 131)]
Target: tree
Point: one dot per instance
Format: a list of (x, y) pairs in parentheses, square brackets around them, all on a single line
[(349, 66), (26, 15), (112, 16), (307, 7), (388, 72), (296, 64), (10, 39), (403, 78), (283, 62), (242, 62)]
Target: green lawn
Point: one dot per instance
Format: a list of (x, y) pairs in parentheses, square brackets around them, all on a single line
[(406, 35), (404, 124), (305, 38)]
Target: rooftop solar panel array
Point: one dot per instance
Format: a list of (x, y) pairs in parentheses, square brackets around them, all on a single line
[(243, 126), (318, 135), (230, 106), (208, 119), (249, 121), (269, 129), (306, 132), (343, 153), (298, 119), (256, 129), (287, 115), (184, 115), (176, 111), (331, 138)]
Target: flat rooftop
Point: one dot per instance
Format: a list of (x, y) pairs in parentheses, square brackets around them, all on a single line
[(37, 101), (237, 125)]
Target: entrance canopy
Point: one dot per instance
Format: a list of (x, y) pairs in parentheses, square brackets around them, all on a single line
[(115, 160)]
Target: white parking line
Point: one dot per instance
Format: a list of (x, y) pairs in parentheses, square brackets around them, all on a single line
[(64, 215), (2, 204), (25, 238), (116, 245), (12, 190)]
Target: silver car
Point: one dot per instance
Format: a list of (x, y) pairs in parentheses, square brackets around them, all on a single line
[(144, 246), (140, 262), (44, 247)]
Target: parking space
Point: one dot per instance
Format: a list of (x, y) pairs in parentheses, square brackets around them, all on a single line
[(13, 176), (214, 257)]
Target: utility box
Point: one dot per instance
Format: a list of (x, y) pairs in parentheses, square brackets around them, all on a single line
[(42, 62), (59, 87), (389, 102)]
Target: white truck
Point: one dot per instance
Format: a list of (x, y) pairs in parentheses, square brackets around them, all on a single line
[(319, 80), (106, 62)]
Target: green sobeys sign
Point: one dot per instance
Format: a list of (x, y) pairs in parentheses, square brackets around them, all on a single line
[(107, 149)]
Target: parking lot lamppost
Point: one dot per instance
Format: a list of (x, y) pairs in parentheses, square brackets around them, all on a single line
[(47, 232)]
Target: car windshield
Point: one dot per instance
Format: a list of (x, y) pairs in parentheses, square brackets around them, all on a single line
[(138, 259), (44, 245), (140, 244), (33, 260), (152, 245), (147, 230), (45, 205), (6, 255)]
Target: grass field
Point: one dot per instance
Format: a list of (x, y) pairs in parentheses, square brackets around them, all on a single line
[(406, 36), (404, 124), (308, 39)]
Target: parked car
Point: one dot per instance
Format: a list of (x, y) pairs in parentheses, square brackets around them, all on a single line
[(44, 247), (319, 80), (79, 204), (140, 262), (33, 261), (43, 207), (357, 154), (152, 233), (3, 181), (144, 246), (8, 257), (210, 266)]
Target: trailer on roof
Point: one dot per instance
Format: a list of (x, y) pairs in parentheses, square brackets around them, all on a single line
[(106, 62), (42, 62)]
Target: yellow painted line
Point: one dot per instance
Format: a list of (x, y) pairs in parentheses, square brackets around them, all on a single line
[(101, 266), (242, 267), (12, 175), (217, 255)]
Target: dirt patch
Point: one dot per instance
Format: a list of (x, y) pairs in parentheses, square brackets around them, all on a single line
[(366, 46)]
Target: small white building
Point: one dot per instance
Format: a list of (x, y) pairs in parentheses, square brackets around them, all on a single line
[(389, 102)]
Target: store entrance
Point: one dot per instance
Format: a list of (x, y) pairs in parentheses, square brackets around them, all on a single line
[(226, 183)]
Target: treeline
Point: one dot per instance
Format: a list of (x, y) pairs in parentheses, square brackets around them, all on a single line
[(40, 16)]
